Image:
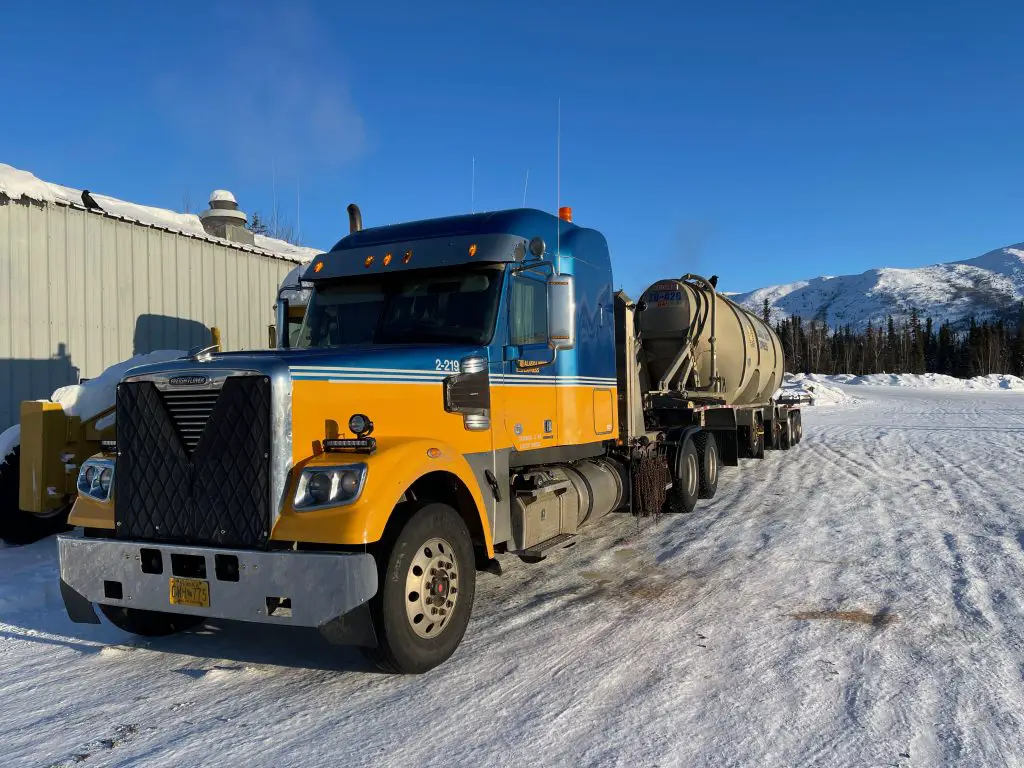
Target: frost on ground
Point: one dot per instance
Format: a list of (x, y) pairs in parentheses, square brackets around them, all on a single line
[(92, 397), (854, 601)]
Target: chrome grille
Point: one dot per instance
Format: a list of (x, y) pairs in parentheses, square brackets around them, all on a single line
[(190, 410)]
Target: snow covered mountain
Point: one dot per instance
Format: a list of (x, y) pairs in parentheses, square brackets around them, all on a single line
[(988, 286)]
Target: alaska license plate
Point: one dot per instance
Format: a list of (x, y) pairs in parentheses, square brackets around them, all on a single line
[(191, 592)]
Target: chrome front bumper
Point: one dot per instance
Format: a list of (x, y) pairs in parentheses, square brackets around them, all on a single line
[(326, 591)]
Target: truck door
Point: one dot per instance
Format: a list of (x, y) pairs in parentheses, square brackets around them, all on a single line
[(529, 375)]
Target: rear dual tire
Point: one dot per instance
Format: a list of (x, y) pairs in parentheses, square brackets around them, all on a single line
[(695, 474)]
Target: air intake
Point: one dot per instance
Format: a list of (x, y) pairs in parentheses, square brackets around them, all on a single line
[(190, 410)]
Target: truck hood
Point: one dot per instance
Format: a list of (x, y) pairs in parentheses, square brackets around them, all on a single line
[(386, 361)]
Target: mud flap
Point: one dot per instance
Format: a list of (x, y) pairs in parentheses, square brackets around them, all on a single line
[(352, 628), (79, 608)]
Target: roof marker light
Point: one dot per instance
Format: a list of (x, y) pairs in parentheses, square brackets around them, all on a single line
[(368, 262), (472, 250), (319, 266), (565, 213), (407, 258), (387, 259)]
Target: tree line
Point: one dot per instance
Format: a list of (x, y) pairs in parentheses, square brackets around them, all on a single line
[(910, 346)]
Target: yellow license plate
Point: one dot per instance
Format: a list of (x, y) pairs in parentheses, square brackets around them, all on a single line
[(192, 592)]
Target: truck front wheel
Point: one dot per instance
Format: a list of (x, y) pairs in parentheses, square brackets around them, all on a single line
[(149, 623), (427, 583)]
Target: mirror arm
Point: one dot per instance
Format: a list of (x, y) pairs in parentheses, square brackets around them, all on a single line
[(282, 323)]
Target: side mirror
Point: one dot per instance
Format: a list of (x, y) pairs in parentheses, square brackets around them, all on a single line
[(282, 324), (561, 312)]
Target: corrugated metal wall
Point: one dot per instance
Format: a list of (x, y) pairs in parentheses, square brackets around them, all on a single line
[(80, 291)]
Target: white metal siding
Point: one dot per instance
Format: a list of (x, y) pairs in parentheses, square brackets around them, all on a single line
[(81, 291)]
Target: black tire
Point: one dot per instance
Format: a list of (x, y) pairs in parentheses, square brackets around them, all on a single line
[(757, 439), (682, 496), (798, 433), (786, 434), (400, 648), (149, 623), (709, 464), (16, 525)]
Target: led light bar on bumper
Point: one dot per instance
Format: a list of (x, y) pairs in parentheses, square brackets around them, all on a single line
[(96, 478), (323, 487)]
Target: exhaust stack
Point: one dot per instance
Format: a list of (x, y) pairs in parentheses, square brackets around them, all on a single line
[(355, 218)]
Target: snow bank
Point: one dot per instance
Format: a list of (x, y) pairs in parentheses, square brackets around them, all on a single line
[(96, 395), (991, 382), (92, 397), (17, 184), (817, 388)]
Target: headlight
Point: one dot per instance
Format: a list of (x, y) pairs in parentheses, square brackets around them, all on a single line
[(322, 487), (96, 478)]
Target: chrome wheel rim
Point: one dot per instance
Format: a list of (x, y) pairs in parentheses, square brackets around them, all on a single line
[(712, 467), (431, 587)]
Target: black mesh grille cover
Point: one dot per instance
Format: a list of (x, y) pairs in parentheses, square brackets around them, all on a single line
[(219, 494)]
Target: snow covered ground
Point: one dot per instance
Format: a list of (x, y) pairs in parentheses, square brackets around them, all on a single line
[(855, 601)]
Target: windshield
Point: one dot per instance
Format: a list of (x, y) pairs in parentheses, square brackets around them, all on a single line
[(452, 304)]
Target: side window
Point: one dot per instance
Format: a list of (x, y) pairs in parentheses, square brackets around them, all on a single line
[(529, 311)]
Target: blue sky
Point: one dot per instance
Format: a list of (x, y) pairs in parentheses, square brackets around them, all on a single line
[(764, 142)]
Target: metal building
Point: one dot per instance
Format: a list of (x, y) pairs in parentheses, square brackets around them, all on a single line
[(87, 281)]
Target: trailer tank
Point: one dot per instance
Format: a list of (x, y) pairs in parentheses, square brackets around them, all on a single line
[(696, 340)]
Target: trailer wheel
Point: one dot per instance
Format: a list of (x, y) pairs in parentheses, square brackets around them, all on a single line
[(786, 434), (427, 583), (682, 496), (707, 455), (798, 432), (149, 623), (757, 438), (16, 525)]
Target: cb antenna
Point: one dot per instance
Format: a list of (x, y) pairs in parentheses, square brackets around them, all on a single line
[(526, 185), (472, 189), (558, 189)]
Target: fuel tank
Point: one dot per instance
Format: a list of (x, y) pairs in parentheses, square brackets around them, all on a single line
[(748, 359)]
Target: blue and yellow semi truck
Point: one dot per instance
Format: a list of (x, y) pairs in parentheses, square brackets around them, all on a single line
[(460, 388)]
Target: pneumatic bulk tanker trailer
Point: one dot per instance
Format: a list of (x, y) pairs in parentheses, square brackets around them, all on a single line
[(460, 389)]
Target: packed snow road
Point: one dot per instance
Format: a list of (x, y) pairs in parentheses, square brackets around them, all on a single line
[(855, 601)]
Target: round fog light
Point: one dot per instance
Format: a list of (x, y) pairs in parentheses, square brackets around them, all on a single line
[(360, 425), (105, 477), (90, 473), (319, 487)]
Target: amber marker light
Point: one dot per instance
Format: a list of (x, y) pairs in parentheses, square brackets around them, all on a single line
[(368, 262), (387, 259), (319, 266), (472, 250), (407, 258), (434, 453), (565, 213)]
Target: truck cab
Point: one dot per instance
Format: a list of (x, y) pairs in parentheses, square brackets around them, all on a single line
[(449, 394)]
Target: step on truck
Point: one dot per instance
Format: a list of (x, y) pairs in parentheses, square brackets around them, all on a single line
[(459, 389)]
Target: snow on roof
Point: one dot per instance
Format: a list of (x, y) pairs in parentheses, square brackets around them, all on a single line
[(18, 184)]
